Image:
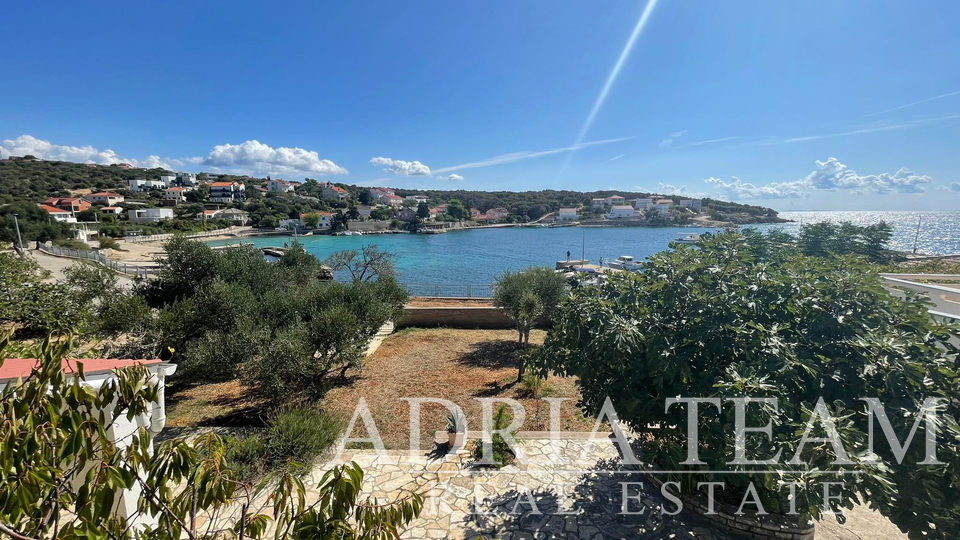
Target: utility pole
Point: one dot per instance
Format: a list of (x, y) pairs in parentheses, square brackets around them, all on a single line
[(916, 237), (16, 224)]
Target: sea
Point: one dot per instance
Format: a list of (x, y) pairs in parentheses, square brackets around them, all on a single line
[(478, 256)]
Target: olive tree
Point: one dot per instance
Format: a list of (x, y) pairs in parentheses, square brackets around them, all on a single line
[(63, 472), (817, 334), (526, 297)]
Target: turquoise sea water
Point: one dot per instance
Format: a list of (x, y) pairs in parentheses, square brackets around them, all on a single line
[(478, 256)]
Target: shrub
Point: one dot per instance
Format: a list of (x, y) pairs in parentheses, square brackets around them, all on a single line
[(722, 321), (502, 454), (246, 457), (297, 435), (107, 242)]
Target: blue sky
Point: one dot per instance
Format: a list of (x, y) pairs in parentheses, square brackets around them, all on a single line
[(812, 105)]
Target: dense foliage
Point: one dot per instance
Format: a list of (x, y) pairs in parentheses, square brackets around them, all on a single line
[(527, 297), (751, 315), (63, 471), (224, 313)]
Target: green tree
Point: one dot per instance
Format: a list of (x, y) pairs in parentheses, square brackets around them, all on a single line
[(311, 220), (735, 318), (457, 210), (423, 211), (63, 472), (370, 263), (527, 296)]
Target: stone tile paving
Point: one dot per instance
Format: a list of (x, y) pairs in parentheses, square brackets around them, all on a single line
[(565, 490)]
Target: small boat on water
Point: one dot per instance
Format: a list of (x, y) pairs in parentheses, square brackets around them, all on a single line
[(688, 239), (625, 262)]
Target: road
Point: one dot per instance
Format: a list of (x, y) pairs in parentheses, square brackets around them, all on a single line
[(56, 266)]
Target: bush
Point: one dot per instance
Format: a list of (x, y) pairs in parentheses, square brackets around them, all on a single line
[(502, 454), (70, 243), (107, 242), (723, 321), (246, 457), (297, 435)]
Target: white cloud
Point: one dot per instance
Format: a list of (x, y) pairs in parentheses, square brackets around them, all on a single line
[(259, 158), (831, 175), (517, 156), (453, 177), (670, 189), (404, 168), (952, 187), (27, 144)]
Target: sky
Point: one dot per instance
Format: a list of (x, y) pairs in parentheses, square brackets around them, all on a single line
[(817, 105)]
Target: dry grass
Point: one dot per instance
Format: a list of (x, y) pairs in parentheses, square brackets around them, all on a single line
[(217, 405), (457, 365)]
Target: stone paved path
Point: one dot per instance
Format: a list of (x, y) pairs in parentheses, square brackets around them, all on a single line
[(567, 490)]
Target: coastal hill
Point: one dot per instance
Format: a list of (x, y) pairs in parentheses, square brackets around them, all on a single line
[(26, 181)]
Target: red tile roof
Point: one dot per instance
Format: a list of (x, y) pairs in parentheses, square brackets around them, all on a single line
[(105, 194), (175, 189), (222, 184), (15, 368), (52, 209)]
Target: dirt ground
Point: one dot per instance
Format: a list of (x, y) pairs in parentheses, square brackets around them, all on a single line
[(457, 365)]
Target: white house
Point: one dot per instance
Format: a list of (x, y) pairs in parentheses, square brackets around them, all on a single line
[(149, 215), (567, 214), (693, 204), (280, 186), (598, 203), (175, 195), (642, 204), (169, 179), (614, 200), (226, 192), (59, 214), (105, 197), (299, 223), (663, 205), (140, 184), (333, 193), (390, 199), (416, 199), (621, 211), (97, 373), (115, 210)]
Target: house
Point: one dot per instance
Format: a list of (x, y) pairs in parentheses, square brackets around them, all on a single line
[(105, 197), (407, 214), (568, 214), (642, 204), (364, 210), (125, 165), (98, 372), (331, 192), (169, 179), (598, 203), (58, 214), (226, 192), (233, 215), (663, 205), (70, 204), (614, 200), (391, 200), (492, 215), (186, 179), (693, 204), (113, 210), (416, 199), (621, 211), (175, 195), (149, 215), (279, 186), (141, 184), (300, 223), (377, 192)]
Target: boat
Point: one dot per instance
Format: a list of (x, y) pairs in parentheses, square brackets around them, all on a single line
[(625, 262), (688, 239)]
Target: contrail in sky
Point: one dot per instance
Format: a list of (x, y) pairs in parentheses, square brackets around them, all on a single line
[(914, 103), (612, 78)]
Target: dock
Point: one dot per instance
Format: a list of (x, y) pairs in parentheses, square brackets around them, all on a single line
[(273, 251)]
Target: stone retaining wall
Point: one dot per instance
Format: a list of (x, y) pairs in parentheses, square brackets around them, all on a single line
[(484, 317)]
